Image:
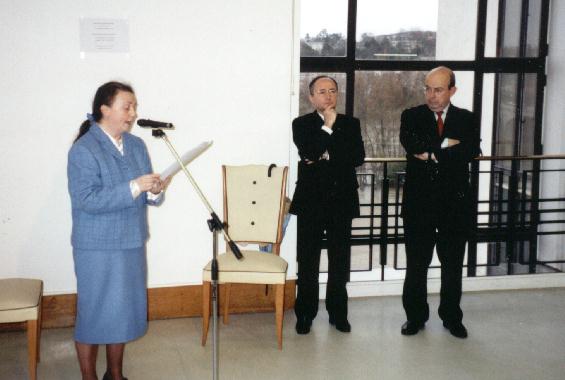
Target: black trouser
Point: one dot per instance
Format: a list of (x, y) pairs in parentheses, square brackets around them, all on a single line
[(310, 228), (421, 237)]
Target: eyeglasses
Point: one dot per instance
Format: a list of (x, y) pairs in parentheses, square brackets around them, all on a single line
[(434, 90), (331, 91)]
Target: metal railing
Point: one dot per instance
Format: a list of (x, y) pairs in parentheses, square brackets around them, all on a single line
[(518, 206)]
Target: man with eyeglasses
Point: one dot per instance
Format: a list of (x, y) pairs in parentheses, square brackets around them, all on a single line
[(325, 199), (440, 140)]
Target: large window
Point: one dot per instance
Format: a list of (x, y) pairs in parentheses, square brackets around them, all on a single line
[(380, 51), (371, 48)]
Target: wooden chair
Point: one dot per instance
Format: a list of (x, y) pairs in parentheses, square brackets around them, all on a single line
[(254, 197), (20, 301)]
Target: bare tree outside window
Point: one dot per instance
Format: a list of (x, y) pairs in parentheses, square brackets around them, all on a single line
[(380, 98)]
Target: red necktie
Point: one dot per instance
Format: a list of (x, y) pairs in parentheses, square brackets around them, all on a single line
[(439, 123)]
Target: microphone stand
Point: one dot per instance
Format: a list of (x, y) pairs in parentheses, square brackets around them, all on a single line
[(215, 225)]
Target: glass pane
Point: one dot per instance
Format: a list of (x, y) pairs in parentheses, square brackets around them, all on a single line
[(323, 28), (456, 30), (506, 115), (527, 131), (534, 20), (380, 98), (510, 46), (510, 21), (507, 136), (304, 102), (386, 31)]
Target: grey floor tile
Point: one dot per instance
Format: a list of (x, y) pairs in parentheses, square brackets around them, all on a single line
[(512, 335)]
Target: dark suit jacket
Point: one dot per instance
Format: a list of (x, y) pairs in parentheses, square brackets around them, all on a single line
[(333, 182), (438, 189)]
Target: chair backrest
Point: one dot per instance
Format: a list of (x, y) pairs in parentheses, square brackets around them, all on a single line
[(254, 202)]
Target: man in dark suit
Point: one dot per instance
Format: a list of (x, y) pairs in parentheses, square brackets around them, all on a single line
[(330, 147), (440, 140)]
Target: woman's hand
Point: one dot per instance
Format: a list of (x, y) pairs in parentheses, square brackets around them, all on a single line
[(148, 182), (161, 185)]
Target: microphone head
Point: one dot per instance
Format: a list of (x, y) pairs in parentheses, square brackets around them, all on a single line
[(147, 123)]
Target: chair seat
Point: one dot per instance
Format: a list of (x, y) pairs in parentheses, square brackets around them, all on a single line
[(255, 268), (19, 299)]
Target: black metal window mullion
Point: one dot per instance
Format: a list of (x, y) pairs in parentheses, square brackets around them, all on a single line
[(480, 44), (350, 57), (500, 27), (524, 28)]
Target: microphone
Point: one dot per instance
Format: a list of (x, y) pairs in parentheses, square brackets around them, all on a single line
[(146, 123)]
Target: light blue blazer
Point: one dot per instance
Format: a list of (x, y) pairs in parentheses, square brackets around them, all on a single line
[(105, 215)]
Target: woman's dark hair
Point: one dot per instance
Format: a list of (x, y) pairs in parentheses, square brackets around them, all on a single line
[(104, 96)]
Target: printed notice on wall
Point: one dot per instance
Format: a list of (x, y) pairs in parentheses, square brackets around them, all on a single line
[(106, 35)]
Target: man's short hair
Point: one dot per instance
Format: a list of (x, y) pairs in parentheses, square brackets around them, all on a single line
[(451, 79), (313, 82)]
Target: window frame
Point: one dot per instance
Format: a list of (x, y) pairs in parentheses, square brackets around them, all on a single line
[(480, 66)]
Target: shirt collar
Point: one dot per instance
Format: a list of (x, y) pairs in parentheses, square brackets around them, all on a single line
[(444, 112), (119, 144)]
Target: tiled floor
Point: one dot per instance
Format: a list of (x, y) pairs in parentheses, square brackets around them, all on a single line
[(512, 335)]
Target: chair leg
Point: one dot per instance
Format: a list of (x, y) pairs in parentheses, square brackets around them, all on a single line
[(40, 307), (227, 291), (205, 310), (279, 309), (32, 348)]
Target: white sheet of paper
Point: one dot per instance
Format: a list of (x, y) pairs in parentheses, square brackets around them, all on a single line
[(186, 158), (106, 35)]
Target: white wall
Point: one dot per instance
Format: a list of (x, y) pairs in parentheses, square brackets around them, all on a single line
[(220, 70)]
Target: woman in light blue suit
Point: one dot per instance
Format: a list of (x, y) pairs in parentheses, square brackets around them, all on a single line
[(110, 184)]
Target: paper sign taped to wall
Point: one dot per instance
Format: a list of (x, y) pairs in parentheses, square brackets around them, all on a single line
[(106, 35), (186, 158)]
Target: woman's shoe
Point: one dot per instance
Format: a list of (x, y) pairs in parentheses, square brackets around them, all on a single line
[(107, 376)]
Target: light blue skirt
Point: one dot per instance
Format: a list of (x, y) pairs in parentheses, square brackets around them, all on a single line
[(112, 295)]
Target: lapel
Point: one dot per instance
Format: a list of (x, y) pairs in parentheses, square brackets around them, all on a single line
[(430, 122), (129, 154), (338, 125), (450, 118), (105, 142), (318, 121)]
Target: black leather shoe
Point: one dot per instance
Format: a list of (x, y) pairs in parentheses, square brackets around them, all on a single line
[(456, 329), (303, 325), (108, 377), (342, 326), (411, 328)]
